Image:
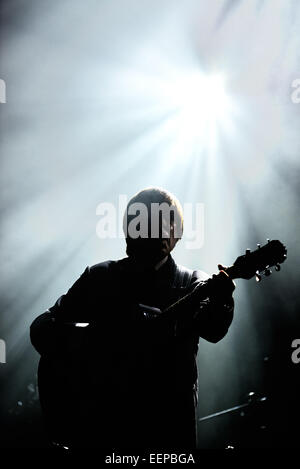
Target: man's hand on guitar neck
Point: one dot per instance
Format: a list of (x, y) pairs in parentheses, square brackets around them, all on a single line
[(221, 287), (212, 307)]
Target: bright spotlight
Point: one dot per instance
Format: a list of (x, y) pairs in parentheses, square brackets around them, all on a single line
[(201, 106), (204, 97)]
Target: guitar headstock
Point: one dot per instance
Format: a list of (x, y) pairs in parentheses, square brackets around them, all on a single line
[(273, 253)]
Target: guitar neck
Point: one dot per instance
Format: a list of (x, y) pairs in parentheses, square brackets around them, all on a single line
[(200, 292), (232, 272)]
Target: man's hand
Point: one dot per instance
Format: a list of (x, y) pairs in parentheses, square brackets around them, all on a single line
[(221, 285)]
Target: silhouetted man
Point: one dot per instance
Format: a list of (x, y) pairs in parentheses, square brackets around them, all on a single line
[(129, 379)]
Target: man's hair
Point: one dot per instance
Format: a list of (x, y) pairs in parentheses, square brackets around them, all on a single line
[(155, 195)]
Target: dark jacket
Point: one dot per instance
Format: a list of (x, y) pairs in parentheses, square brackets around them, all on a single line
[(131, 375)]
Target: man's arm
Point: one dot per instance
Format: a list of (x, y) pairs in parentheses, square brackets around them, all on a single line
[(207, 310), (46, 333), (213, 314)]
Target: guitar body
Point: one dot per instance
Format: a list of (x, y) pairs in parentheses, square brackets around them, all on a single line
[(92, 388), (65, 380)]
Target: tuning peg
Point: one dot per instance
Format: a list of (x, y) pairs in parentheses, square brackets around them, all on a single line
[(247, 251), (267, 272), (251, 396), (258, 245), (277, 267), (257, 276)]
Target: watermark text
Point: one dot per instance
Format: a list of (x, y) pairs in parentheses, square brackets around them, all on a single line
[(296, 353), (2, 351), (2, 91), (154, 221), (295, 96)]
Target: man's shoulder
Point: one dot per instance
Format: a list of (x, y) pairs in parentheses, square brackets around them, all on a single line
[(194, 274), (200, 275), (189, 278), (185, 276), (101, 266), (105, 267)]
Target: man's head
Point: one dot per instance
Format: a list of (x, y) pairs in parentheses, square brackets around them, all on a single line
[(153, 223)]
